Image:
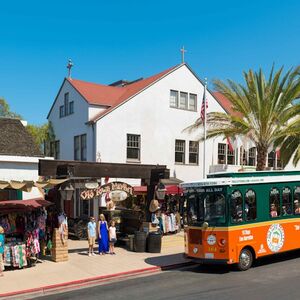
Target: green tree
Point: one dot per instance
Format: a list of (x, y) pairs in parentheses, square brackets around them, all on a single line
[(289, 141), (265, 111), (5, 111), (42, 135)]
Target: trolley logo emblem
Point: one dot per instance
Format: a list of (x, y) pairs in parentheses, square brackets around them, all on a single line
[(275, 237), (211, 239)]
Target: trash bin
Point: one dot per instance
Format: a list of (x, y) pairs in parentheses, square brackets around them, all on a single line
[(140, 241), (154, 242), (131, 242)]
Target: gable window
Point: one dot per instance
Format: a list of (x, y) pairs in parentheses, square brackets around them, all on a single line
[(71, 107), (66, 104), (67, 108), (183, 103), (193, 152), (61, 111), (55, 149), (173, 98), (80, 147), (133, 147), (183, 100), (180, 151), (193, 102)]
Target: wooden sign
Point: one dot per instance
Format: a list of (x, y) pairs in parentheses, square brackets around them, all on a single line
[(88, 194)]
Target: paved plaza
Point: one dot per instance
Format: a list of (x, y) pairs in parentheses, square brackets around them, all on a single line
[(82, 267)]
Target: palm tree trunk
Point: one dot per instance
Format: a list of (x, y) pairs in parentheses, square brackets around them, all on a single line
[(262, 152)]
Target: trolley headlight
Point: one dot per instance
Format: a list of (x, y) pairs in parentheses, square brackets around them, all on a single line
[(222, 242)]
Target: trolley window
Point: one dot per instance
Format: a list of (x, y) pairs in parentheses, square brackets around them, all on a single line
[(236, 207), (250, 205), (286, 202), (297, 200), (274, 203)]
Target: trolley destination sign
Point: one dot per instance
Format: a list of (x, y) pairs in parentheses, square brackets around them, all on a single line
[(116, 186)]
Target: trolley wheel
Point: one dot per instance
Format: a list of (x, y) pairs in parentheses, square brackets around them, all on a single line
[(245, 260)]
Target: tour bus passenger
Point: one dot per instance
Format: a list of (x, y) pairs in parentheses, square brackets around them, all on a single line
[(284, 211), (273, 212), (297, 207)]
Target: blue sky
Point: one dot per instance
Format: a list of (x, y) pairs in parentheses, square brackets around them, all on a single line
[(111, 40)]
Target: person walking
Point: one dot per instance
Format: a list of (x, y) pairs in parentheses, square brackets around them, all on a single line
[(103, 235), (112, 237), (91, 229), (2, 239)]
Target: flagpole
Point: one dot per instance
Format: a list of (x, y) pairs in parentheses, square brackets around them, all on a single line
[(204, 126)]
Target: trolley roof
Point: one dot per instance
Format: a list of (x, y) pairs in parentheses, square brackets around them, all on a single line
[(238, 178)]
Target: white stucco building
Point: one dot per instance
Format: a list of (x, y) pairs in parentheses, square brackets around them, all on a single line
[(142, 121), (19, 159), (135, 122)]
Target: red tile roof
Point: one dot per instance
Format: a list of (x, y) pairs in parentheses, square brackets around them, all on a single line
[(226, 104), (112, 96)]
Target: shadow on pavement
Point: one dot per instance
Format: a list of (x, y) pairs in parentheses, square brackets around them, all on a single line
[(165, 260), (173, 259), (78, 250), (277, 258)]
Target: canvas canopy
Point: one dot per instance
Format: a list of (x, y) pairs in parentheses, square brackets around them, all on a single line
[(27, 186)]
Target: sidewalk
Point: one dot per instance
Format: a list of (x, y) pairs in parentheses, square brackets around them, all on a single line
[(81, 267)]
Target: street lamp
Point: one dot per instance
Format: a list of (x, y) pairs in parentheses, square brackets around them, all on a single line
[(66, 191), (161, 191)]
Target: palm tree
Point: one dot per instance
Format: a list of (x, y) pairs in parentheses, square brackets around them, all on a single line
[(289, 140), (265, 111)]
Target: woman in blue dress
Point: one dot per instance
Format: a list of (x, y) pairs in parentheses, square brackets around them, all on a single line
[(103, 235)]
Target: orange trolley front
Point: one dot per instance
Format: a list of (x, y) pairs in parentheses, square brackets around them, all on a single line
[(234, 220)]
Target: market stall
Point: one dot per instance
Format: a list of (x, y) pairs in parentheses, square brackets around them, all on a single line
[(26, 229), (167, 209)]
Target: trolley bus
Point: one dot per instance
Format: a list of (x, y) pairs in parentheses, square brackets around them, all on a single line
[(234, 218)]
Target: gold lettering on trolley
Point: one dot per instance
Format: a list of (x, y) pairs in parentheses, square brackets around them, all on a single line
[(246, 235)]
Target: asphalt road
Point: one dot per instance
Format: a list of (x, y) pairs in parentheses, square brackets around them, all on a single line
[(272, 278)]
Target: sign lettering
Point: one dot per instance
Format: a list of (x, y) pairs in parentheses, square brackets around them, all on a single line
[(88, 194)]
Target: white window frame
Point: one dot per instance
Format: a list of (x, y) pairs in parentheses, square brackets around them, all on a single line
[(185, 102), (181, 150), (192, 146), (133, 142), (195, 104), (174, 105)]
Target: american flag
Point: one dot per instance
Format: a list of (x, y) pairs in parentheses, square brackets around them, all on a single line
[(204, 102)]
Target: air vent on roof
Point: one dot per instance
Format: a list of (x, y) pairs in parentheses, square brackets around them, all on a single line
[(121, 83)]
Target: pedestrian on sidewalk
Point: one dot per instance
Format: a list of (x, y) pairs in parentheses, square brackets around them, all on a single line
[(112, 237), (103, 235), (2, 239), (91, 229)]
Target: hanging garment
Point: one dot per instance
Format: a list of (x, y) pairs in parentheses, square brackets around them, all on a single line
[(172, 222), (7, 256)]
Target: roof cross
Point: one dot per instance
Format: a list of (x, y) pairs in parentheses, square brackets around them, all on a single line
[(182, 50), (69, 67)]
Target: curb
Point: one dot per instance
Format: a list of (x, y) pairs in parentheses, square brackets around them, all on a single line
[(76, 284)]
